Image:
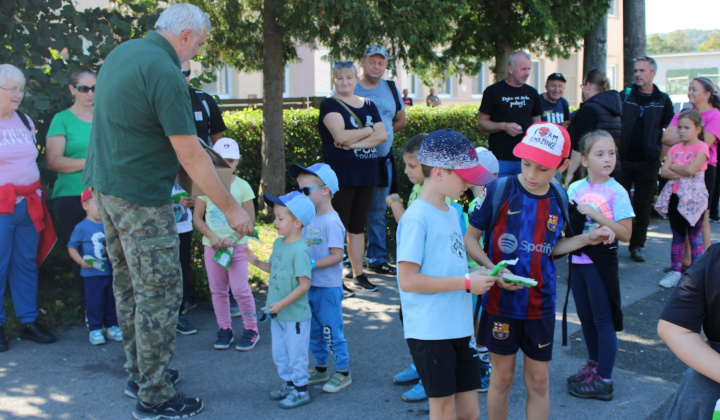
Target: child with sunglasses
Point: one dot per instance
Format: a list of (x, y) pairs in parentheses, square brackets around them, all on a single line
[(217, 235), (325, 237)]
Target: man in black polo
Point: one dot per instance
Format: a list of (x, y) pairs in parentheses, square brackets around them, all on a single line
[(646, 113)]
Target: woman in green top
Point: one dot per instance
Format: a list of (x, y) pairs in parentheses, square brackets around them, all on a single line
[(67, 144)]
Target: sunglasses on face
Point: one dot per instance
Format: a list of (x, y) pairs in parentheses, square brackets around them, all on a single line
[(84, 89), (306, 190), (186, 73), (341, 64)]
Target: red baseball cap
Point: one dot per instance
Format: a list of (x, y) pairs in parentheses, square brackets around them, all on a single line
[(544, 143), (86, 194)]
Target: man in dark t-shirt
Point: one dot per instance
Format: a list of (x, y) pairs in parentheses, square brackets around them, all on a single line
[(555, 107), (206, 113), (507, 109)]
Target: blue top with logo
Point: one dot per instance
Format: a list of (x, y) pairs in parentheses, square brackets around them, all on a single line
[(527, 228)]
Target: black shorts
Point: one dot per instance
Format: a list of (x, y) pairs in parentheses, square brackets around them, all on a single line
[(353, 205), (446, 367), (505, 336)]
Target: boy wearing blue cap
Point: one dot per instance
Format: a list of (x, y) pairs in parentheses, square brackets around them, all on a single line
[(325, 237), (435, 283), (287, 302)]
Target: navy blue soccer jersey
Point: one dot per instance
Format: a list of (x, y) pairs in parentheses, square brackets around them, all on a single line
[(527, 228)]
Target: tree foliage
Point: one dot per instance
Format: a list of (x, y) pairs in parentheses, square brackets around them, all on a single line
[(710, 44), (673, 42)]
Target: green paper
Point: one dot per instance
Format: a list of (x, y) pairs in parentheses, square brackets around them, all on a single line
[(223, 256), (94, 262), (523, 281), (176, 197), (501, 266)]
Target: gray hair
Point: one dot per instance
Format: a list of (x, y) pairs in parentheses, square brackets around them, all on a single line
[(515, 55), (180, 17), (10, 73), (650, 60)]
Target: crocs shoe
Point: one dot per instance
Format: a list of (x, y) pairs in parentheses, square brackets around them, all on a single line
[(408, 376), (415, 394)]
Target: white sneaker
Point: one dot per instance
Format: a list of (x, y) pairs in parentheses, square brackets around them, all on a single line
[(670, 280), (113, 333), (96, 337)]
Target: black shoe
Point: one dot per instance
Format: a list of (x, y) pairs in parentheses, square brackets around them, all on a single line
[(361, 282), (184, 326), (33, 331), (638, 254), (187, 307), (3, 341), (132, 388), (714, 219), (177, 407), (347, 292), (383, 268), (347, 271)]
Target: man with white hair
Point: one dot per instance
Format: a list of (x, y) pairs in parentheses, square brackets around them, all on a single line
[(507, 109), (142, 132)]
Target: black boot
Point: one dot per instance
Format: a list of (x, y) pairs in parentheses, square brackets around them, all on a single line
[(33, 331), (3, 341)]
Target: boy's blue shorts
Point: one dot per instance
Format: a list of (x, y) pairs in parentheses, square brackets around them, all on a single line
[(505, 336)]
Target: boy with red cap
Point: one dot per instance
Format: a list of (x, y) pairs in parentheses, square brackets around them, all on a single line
[(528, 227), (87, 248)]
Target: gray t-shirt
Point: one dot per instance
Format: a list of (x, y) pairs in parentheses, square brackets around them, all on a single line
[(287, 263), (325, 232), (382, 97)]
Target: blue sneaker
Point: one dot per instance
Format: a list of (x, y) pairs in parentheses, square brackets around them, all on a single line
[(224, 338), (484, 377), (408, 376), (415, 394)]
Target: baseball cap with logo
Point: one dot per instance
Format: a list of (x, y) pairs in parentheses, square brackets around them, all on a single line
[(86, 195), (376, 50), (227, 148), (488, 160), (449, 149), (556, 76), (298, 203), (544, 143), (321, 170)]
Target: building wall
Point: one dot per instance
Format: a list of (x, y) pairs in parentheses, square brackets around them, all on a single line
[(675, 71)]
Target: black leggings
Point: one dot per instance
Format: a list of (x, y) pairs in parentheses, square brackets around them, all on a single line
[(353, 205)]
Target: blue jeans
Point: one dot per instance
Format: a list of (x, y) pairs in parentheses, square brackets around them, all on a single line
[(326, 326), (509, 168), (100, 302), (18, 257), (376, 252)]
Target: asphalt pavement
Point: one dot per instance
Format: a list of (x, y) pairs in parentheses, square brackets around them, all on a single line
[(72, 379)]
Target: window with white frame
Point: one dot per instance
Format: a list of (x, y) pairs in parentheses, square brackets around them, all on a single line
[(534, 79), (478, 82), (286, 81), (222, 86), (612, 10), (611, 74), (443, 87)]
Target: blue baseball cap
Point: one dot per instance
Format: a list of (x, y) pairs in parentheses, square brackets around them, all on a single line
[(449, 149), (299, 205), (321, 170)]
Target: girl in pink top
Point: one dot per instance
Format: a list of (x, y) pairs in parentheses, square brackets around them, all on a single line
[(684, 198)]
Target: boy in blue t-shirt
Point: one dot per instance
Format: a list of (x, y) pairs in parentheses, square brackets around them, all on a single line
[(529, 227), (325, 237), (87, 248), (433, 277), (287, 301)]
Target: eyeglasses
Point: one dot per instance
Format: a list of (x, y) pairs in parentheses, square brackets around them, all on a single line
[(14, 91), (186, 73), (84, 89), (341, 64), (306, 190)]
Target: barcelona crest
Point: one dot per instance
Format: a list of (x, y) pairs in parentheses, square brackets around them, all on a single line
[(552, 223), (501, 331)]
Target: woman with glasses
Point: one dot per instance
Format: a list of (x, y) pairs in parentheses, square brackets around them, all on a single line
[(26, 231), (702, 97), (601, 110), (67, 144), (350, 128)]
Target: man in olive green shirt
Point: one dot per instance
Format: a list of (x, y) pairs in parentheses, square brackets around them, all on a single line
[(142, 132)]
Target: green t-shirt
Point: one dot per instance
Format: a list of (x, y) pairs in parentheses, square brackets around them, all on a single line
[(141, 99), (215, 219), (77, 136), (287, 263)]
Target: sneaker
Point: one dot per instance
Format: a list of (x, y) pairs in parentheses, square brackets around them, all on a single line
[(670, 280), (224, 338), (184, 326), (347, 271), (132, 388), (588, 369), (3, 340), (248, 340), (638, 254), (318, 377), (484, 377), (415, 394), (35, 332), (96, 337), (592, 387), (295, 400), (234, 310), (408, 376), (187, 307), (683, 269), (714, 219), (177, 407), (113, 333), (337, 383), (361, 282), (347, 292), (280, 394), (383, 268)]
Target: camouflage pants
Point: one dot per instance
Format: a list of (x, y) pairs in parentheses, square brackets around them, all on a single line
[(143, 249)]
